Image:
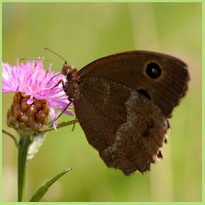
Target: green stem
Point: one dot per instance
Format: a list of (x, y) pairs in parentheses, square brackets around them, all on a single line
[(22, 156)]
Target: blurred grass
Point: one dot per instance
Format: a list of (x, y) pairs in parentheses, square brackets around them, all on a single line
[(83, 32)]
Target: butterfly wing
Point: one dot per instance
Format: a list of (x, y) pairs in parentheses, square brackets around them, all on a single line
[(125, 127), (130, 69)]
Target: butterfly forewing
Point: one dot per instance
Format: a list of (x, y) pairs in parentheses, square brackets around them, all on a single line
[(129, 69)]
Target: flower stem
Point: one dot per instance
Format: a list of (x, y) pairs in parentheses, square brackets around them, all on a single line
[(22, 156)]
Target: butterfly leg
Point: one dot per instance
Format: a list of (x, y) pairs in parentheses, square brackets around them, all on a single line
[(74, 125), (60, 81), (63, 111)]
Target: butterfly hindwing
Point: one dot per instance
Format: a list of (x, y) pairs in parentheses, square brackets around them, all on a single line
[(125, 127)]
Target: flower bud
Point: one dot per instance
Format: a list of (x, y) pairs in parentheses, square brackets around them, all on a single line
[(30, 118)]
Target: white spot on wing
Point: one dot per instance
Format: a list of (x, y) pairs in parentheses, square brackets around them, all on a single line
[(131, 101)]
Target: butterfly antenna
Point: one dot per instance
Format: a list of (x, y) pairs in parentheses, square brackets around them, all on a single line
[(56, 54), (31, 58)]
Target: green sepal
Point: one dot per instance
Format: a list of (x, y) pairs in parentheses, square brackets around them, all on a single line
[(37, 141)]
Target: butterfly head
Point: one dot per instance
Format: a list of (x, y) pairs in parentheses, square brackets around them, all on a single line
[(66, 69), (71, 83)]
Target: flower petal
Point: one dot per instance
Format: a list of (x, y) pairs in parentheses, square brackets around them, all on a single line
[(32, 80), (53, 117), (30, 100)]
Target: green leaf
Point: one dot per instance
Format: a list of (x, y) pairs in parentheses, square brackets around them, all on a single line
[(42, 190), (12, 137), (37, 141)]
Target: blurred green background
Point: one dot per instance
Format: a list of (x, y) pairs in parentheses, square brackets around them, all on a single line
[(83, 32)]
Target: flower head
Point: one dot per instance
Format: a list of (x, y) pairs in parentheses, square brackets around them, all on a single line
[(33, 81)]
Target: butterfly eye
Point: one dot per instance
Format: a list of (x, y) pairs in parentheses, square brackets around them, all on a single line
[(153, 70)]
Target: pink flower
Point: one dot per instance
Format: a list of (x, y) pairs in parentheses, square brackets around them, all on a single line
[(32, 80)]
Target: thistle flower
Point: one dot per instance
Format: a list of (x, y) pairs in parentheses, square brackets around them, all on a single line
[(36, 95)]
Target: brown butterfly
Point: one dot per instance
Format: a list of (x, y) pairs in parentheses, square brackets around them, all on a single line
[(123, 103)]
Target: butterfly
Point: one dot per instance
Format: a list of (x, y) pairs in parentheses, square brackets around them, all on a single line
[(123, 103)]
